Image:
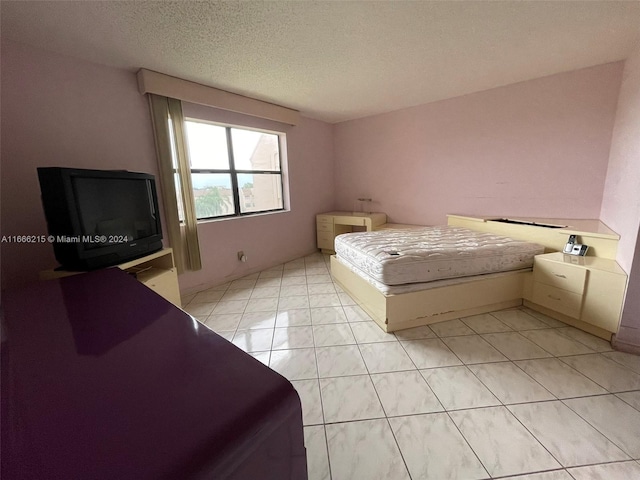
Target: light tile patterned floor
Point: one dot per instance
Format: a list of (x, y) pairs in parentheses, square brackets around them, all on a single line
[(511, 393)]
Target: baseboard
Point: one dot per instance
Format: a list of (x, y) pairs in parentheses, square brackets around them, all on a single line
[(624, 346)]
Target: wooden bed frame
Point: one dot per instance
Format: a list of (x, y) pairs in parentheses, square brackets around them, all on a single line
[(395, 312)]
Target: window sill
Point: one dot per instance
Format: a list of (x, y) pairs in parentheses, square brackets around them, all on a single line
[(242, 217)]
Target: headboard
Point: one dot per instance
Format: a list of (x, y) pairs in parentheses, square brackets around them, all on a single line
[(552, 233)]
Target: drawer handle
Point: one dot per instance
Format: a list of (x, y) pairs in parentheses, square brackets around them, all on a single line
[(554, 298), (559, 275)]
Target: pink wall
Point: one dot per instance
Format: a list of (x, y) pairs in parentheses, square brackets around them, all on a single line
[(628, 336), (505, 151), (269, 239), (621, 202), (59, 111)]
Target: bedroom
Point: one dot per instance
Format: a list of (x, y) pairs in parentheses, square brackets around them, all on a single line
[(556, 142)]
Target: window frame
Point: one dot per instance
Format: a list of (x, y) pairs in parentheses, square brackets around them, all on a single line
[(233, 172)]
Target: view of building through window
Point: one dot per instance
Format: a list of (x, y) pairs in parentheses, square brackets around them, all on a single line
[(233, 171)]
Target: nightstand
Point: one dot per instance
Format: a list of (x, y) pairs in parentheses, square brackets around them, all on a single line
[(589, 289)]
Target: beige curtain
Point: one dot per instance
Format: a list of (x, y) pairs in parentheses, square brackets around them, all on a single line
[(175, 179)]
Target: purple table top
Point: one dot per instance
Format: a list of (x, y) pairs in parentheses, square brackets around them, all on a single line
[(102, 378)]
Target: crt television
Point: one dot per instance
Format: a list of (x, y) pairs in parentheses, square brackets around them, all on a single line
[(99, 218)]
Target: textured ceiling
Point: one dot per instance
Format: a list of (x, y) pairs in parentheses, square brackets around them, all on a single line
[(335, 60)]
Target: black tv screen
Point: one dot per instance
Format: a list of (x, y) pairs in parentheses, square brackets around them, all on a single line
[(98, 218), (114, 207)]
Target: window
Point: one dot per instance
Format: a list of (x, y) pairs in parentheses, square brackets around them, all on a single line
[(234, 171)]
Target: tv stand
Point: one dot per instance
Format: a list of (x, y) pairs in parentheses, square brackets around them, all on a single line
[(157, 271)]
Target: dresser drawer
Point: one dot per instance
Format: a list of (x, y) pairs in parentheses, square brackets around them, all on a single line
[(324, 219), (354, 220), (557, 299), (324, 227), (325, 240), (560, 275)]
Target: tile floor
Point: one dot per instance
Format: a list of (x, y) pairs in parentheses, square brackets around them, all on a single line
[(503, 395)]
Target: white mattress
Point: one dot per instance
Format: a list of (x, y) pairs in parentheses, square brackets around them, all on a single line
[(398, 257)]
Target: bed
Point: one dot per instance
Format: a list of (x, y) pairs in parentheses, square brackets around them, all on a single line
[(409, 277), (399, 296)]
